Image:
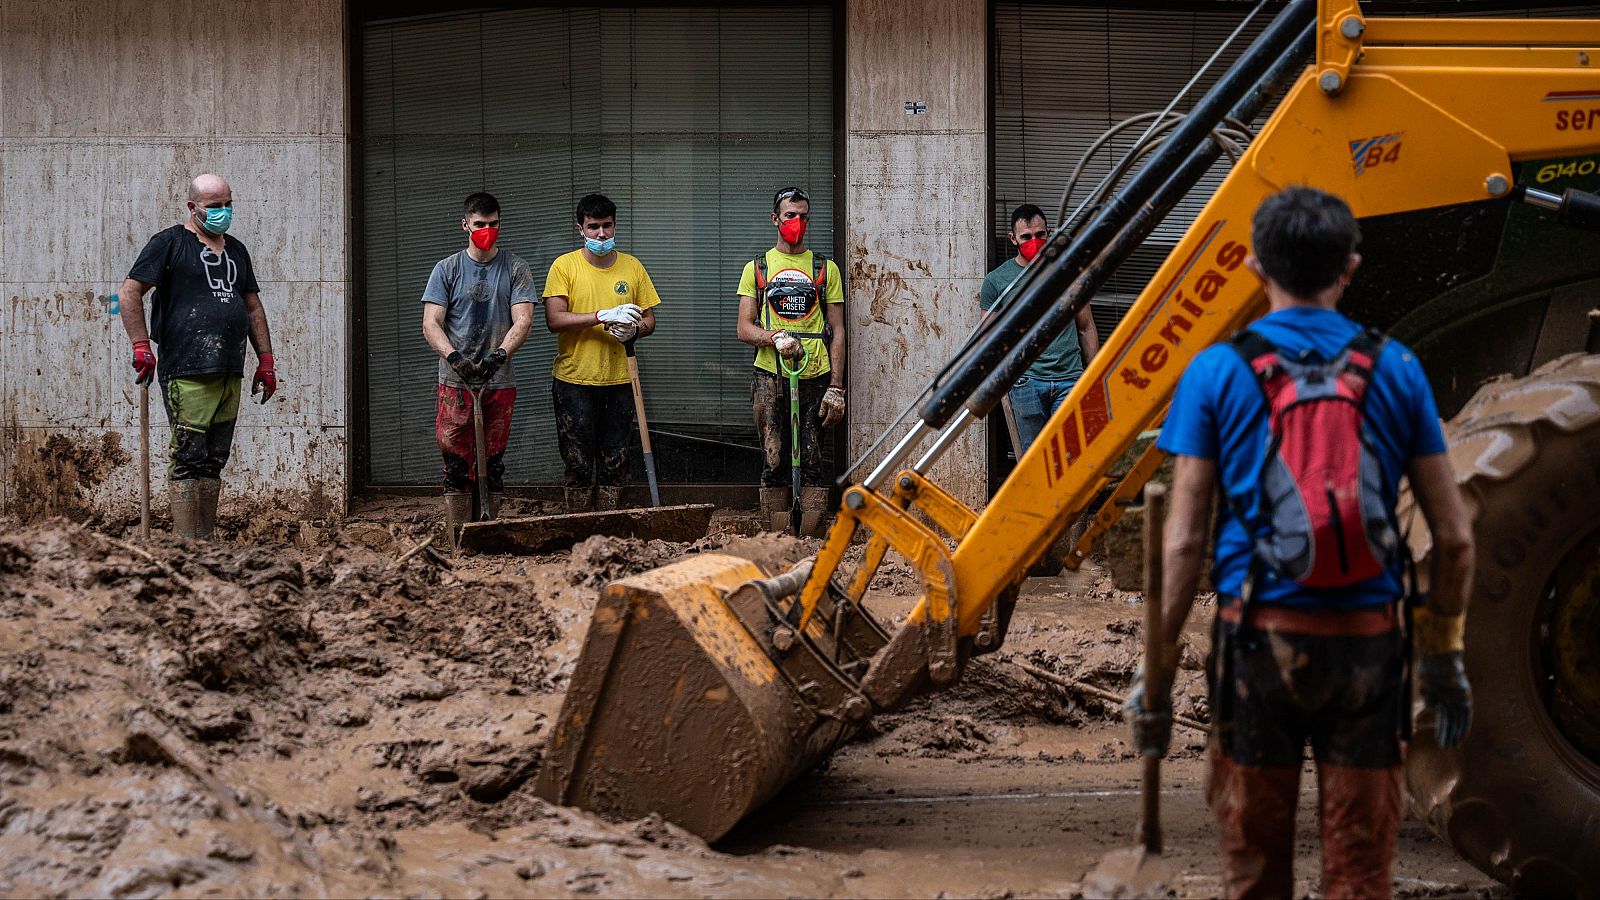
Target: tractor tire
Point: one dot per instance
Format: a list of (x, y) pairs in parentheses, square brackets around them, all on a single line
[(1520, 797)]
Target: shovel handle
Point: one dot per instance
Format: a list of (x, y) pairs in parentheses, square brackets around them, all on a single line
[(480, 451), (1158, 681), (644, 423), (144, 461)]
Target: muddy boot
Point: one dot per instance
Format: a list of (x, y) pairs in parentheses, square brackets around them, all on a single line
[(580, 499), (608, 496), (775, 508), (184, 499), (205, 517), (813, 511), (493, 509), (457, 510)]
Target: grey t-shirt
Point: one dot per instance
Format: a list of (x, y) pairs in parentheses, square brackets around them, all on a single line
[(477, 298)]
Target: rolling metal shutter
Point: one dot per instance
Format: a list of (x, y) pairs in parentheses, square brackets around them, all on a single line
[(1064, 73), (688, 117)]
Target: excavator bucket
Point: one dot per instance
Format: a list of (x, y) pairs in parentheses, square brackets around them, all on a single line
[(682, 703)]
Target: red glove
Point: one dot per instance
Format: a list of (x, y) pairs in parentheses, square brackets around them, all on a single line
[(266, 381), (144, 362)]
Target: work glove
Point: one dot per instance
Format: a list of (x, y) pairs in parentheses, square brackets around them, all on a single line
[(622, 333), (832, 407), (1445, 691), (465, 369), (1152, 728), (265, 382), (491, 365), (144, 362), (626, 314), (787, 345)]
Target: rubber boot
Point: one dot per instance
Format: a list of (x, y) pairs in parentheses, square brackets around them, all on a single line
[(183, 497), (775, 508), (580, 499), (205, 518), (608, 496), (813, 511), (457, 510), (493, 511)]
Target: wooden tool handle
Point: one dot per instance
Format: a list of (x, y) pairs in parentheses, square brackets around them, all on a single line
[(1157, 680), (144, 461)]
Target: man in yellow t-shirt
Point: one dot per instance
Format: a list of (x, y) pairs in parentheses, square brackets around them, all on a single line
[(791, 302), (596, 298)]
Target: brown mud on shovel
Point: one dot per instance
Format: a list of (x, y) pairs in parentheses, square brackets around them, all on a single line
[(548, 534), (1140, 870)]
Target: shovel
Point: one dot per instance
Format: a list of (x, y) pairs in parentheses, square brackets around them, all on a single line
[(1139, 871), (794, 432), (544, 534), (480, 450)]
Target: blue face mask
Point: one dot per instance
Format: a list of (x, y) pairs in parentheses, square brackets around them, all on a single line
[(600, 248), (216, 220)]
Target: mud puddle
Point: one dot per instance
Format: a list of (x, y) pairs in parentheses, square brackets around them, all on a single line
[(291, 712)]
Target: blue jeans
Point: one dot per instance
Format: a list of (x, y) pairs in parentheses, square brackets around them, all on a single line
[(1034, 401)]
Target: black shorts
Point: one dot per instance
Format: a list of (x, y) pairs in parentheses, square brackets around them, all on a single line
[(1285, 678)]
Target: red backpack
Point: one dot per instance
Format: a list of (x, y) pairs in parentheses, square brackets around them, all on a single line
[(1321, 519)]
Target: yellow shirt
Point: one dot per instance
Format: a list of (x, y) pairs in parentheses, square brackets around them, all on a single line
[(795, 269), (592, 356)]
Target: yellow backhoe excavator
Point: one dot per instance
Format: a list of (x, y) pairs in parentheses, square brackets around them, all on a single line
[(1467, 148)]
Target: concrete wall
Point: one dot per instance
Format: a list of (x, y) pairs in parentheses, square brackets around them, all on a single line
[(107, 109), (917, 208)]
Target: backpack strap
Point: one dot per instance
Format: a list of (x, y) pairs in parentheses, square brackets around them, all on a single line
[(1260, 357), (1361, 362), (761, 272), (819, 273)]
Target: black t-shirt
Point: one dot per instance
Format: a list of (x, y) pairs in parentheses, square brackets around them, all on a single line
[(197, 312)]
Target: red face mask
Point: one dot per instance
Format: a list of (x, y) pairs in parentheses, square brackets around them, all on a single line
[(484, 238), (793, 231), (1030, 248)]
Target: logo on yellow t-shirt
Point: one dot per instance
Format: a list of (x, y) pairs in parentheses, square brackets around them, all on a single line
[(620, 287), (790, 295)]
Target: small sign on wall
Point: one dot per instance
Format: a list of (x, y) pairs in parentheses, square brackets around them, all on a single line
[(916, 108)]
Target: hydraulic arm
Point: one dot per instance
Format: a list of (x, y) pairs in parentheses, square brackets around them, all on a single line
[(706, 685)]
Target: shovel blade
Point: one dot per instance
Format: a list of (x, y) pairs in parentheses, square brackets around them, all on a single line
[(1130, 872), (548, 534)]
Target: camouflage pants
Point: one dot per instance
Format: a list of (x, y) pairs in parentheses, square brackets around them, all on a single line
[(769, 399)]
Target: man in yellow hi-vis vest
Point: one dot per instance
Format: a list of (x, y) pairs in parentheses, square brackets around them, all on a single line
[(791, 303)]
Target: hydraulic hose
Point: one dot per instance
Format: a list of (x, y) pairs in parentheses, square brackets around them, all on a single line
[(1133, 233), (1064, 258)]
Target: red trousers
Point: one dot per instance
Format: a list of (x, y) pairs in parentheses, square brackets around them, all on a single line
[(457, 442), (1360, 812)]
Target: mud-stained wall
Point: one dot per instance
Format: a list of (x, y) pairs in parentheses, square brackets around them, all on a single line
[(107, 109), (916, 206)]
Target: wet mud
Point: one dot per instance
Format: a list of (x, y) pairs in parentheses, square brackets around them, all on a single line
[(296, 713), (58, 475)]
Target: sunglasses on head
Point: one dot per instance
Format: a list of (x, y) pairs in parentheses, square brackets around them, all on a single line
[(791, 194)]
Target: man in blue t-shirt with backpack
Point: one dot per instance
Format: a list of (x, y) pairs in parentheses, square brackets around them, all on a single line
[(1304, 424)]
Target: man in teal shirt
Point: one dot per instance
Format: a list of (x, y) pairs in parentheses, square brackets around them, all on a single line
[(1039, 392)]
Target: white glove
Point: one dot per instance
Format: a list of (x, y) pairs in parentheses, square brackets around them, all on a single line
[(626, 314), (787, 345), (622, 333)]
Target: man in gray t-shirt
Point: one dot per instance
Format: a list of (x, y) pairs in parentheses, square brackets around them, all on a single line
[(476, 311)]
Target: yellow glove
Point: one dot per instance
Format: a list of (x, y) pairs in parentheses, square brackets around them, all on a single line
[(1439, 633)]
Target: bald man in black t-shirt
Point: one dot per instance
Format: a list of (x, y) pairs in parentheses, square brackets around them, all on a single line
[(206, 304)]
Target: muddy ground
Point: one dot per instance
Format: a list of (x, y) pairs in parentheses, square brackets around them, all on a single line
[(290, 712)]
